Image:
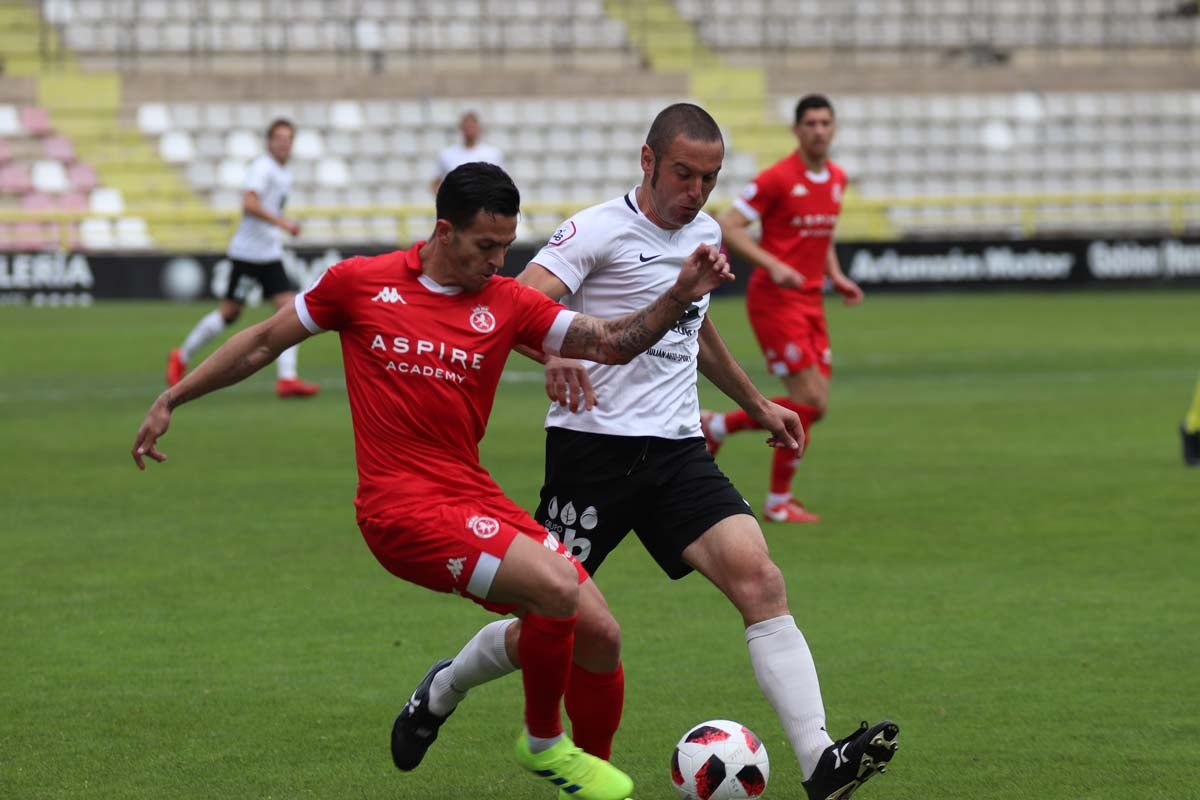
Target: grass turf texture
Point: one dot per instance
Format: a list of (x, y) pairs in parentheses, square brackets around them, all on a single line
[(1006, 566)]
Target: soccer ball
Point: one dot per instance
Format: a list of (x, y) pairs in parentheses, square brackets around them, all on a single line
[(719, 760)]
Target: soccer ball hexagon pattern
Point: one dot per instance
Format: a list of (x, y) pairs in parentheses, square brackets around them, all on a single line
[(719, 760)]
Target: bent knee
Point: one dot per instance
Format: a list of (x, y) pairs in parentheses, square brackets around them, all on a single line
[(555, 590), (598, 643), (761, 592)]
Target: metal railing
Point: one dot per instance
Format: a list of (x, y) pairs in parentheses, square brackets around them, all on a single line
[(1013, 216)]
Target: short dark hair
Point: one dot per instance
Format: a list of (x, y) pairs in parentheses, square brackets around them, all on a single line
[(811, 101), (686, 119), (280, 122), (474, 187)]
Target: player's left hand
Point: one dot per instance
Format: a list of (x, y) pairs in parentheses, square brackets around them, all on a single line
[(784, 425), (851, 292), (568, 384), (157, 420), (704, 270)]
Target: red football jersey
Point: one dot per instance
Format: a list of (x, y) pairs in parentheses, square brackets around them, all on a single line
[(422, 364), (798, 211)]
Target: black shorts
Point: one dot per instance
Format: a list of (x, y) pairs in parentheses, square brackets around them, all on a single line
[(599, 487), (269, 275)]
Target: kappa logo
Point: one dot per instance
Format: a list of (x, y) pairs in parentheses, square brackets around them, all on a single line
[(388, 294), (455, 565), (562, 520), (799, 190), (483, 527), (482, 319), (837, 193)]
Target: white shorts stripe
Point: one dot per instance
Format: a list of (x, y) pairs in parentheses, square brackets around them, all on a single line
[(482, 576)]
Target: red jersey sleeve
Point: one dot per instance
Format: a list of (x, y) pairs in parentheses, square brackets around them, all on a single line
[(542, 323), (324, 305), (759, 196)]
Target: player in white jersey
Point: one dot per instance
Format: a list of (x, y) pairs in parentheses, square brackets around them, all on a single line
[(636, 460), (472, 149), (256, 252)]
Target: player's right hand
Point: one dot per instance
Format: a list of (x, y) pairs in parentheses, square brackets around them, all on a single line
[(291, 226), (568, 384), (157, 420), (785, 276)]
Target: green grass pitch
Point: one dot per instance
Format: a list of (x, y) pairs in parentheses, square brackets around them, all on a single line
[(1007, 565)]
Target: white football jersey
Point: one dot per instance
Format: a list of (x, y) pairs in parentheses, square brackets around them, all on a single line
[(615, 261), (256, 239), (456, 155)]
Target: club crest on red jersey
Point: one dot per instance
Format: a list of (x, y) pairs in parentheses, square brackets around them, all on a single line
[(483, 527), (482, 319)]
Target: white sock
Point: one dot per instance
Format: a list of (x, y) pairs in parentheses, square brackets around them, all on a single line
[(775, 499), (716, 427), (539, 745), (285, 365), (207, 329), (481, 660), (787, 676)]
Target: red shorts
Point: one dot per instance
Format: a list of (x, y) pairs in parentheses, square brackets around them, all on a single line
[(455, 546), (790, 329)]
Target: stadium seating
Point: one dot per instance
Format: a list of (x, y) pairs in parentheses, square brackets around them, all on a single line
[(937, 27), (351, 154), (150, 30), (39, 172)]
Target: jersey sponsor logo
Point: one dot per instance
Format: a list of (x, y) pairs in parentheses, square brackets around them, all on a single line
[(564, 232), (482, 319), (455, 565), (388, 294), (561, 525), (483, 527), (799, 190), (402, 345), (644, 259)]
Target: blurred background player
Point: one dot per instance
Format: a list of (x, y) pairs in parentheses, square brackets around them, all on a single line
[(1189, 431), (425, 335), (471, 149), (797, 201), (256, 251)]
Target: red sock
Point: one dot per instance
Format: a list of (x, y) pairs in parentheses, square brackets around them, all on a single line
[(783, 463), (783, 469), (594, 702), (544, 648), (739, 420)]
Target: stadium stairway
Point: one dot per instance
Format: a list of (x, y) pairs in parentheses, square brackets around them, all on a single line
[(21, 42), (85, 107), (736, 96)]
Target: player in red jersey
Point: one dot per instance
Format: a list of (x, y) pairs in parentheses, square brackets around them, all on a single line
[(797, 200), (425, 334)]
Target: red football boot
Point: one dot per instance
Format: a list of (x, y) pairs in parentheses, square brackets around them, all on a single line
[(789, 511), (176, 366), (711, 443), (294, 387)]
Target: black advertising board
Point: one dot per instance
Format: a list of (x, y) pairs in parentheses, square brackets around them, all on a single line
[(61, 278)]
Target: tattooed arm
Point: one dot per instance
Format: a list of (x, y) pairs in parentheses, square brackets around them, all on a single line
[(618, 341)]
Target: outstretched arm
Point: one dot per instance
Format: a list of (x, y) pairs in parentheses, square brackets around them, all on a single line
[(719, 366), (736, 235), (245, 353), (618, 341)]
